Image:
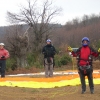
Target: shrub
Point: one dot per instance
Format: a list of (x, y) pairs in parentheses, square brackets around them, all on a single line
[(11, 64), (31, 59), (38, 65), (62, 60), (57, 61)]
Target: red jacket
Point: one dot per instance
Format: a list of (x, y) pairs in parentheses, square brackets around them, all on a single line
[(5, 53), (84, 53)]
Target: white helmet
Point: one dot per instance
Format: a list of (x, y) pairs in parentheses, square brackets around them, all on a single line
[(2, 44), (48, 40)]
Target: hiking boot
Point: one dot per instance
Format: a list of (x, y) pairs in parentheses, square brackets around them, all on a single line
[(83, 91), (92, 91), (46, 76), (2, 76)]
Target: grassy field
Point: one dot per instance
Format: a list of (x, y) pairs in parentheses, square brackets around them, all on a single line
[(62, 93)]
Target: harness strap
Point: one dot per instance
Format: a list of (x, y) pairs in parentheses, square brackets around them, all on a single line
[(84, 68), (48, 63)]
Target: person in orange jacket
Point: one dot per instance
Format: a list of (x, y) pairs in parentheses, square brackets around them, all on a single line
[(4, 54), (85, 68)]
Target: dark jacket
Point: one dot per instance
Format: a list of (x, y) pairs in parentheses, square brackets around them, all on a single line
[(48, 51)]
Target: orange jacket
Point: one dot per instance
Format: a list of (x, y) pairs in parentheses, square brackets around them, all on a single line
[(5, 53)]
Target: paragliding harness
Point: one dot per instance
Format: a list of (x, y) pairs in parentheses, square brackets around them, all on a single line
[(86, 68), (49, 60)]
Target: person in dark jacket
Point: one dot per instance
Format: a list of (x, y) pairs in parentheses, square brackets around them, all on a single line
[(84, 57), (4, 54), (49, 52)]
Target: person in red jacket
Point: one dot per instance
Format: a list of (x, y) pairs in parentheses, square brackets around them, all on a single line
[(84, 57), (4, 54)]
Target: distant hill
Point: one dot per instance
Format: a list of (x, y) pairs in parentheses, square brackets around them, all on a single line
[(3, 29)]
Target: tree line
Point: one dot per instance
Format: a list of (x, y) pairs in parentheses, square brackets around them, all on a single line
[(73, 31)]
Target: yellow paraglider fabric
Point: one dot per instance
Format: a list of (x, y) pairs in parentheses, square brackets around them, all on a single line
[(32, 84), (44, 82)]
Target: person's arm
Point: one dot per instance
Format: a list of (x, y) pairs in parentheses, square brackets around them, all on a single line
[(54, 50), (94, 52), (7, 55), (75, 54)]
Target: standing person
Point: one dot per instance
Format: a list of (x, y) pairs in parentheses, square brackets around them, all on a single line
[(84, 56), (4, 54), (49, 52)]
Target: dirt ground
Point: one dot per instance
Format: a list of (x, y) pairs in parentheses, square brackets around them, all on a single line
[(62, 93), (57, 93)]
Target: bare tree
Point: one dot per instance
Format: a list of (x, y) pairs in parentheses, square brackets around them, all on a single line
[(39, 18), (18, 44)]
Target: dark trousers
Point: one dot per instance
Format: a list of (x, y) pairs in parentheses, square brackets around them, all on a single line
[(90, 79), (2, 67)]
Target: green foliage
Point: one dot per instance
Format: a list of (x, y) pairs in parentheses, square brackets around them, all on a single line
[(31, 58), (65, 59), (57, 61), (35, 59), (62, 60), (39, 62), (38, 65), (11, 64)]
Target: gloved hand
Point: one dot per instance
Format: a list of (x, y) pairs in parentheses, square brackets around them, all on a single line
[(2, 57), (69, 49), (99, 50)]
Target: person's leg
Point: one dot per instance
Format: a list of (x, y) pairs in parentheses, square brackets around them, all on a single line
[(46, 68), (90, 79), (83, 84), (0, 68), (51, 68), (3, 68)]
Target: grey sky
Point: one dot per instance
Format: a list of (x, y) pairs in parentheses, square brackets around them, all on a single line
[(71, 9)]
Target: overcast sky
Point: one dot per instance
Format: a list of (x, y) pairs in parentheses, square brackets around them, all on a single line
[(71, 9)]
